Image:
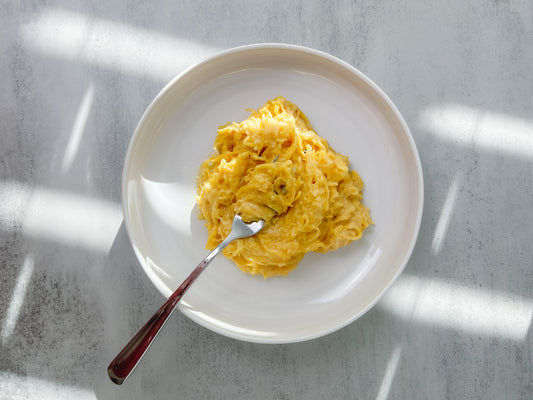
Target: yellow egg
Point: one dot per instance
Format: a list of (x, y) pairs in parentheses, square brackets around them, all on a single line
[(274, 166)]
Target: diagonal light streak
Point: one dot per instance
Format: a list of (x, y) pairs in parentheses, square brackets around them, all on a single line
[(487, 130), (110, 44), (445, 215), (17, 387), (17, 299), (390, 373), (76, 134), (449, 305), (60, 216)]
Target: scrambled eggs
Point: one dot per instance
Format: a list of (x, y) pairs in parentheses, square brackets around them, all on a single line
[(274, 166)]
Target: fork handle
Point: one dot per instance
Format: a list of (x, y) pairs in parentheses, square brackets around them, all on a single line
[(124, 363)]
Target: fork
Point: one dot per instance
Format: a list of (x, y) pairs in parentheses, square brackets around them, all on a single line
[(122, 366)]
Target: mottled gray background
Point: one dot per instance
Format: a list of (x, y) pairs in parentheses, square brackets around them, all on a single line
[(76, 76)]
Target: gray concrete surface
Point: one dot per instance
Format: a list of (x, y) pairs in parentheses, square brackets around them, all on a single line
[(75, 77)]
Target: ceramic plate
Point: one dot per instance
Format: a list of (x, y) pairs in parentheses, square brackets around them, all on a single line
[(176, 133)]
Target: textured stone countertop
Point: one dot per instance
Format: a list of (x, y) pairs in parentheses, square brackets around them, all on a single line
[(75, 78)]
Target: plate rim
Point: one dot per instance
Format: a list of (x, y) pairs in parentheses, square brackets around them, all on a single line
[(165, 291)]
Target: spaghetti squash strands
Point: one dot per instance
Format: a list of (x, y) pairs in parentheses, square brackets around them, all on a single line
[(274, 166)]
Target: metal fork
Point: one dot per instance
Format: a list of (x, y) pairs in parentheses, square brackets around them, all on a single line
[(124, 363)]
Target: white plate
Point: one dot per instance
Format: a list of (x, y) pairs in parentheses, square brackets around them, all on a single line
[(176, 133)]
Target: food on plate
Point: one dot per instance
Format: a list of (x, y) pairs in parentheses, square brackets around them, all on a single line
[(274, 166)]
